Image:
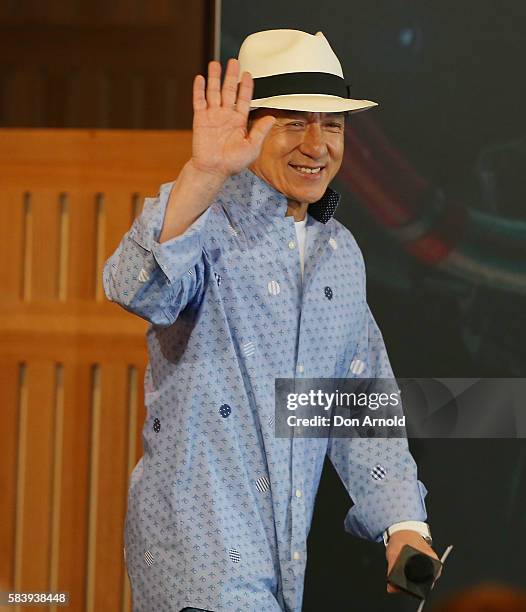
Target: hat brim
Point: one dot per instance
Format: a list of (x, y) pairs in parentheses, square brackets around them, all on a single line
[(315, 103)]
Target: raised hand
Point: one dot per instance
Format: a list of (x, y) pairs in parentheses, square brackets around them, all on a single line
[(221, 144)]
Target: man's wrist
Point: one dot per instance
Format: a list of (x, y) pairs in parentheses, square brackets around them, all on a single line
[(419, 526), (190, 196), (205, 175)]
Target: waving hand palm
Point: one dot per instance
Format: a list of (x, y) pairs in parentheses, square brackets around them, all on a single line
[(221, 143)]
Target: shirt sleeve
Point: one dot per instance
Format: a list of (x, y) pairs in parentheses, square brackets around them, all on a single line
[(380, 474), (152, 280)]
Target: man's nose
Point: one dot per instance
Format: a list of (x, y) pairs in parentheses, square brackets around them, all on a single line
[(313, 143)]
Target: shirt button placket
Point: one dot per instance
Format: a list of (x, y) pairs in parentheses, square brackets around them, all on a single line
[(297, 543), (292, 244), (298, 459)]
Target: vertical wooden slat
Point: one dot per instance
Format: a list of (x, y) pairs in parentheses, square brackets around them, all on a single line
[(137, 205), (155, 102), (9, 402), (116, 217), (93, 489), (71, 568), (3, 92), (131, 459), (171, 93), (63, 256), (82, 245), (56, 97), (121, 94), (100, 239), (111, 472), (56, 514), (35, 477), (137, 101), (133, 399), (141, 411), (44, 245), (11, 243), (23, 98), (88, 102), (27, 248), (120, 211)]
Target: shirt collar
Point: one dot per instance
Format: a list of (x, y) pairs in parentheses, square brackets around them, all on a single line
[(259, 195)]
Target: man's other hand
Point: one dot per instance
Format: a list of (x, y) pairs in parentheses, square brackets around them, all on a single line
[(395, 544)]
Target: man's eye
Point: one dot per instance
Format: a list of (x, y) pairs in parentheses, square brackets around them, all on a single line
[(296, 123)]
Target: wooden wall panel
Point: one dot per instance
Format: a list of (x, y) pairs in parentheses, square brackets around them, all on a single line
[(72, 363)]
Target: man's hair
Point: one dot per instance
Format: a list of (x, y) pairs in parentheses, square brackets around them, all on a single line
[(252, 112)]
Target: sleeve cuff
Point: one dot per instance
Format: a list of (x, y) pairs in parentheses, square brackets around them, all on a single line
[(419, 526), (147, 227), (179, 254), (370, 517)]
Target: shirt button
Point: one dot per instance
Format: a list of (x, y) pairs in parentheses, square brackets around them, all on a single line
[(298, 493), (357, 366), (292, 244), (296, 555), (225, 411), (143, 276), (273, 287), (301, 368), (333, 243)]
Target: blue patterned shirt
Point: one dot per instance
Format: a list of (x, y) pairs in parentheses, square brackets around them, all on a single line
[(219, 508)]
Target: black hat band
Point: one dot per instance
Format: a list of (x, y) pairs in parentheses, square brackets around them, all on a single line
[(300, 83)]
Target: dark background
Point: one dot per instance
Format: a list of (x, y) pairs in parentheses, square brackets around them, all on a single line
[(447, 76)]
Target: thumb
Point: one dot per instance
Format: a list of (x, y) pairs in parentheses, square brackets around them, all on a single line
[(260, 128)]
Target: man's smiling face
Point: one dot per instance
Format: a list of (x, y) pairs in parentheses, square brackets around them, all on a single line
[(302, 152)]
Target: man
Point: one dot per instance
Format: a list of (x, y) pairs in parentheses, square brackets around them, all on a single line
[(219, 508)]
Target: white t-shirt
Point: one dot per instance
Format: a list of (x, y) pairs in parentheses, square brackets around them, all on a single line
[(301, 233)]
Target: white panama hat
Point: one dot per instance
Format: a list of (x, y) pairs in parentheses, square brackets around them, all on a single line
[(296, 70)]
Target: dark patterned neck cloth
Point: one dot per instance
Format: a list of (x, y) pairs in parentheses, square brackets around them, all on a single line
[(324, 208)]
